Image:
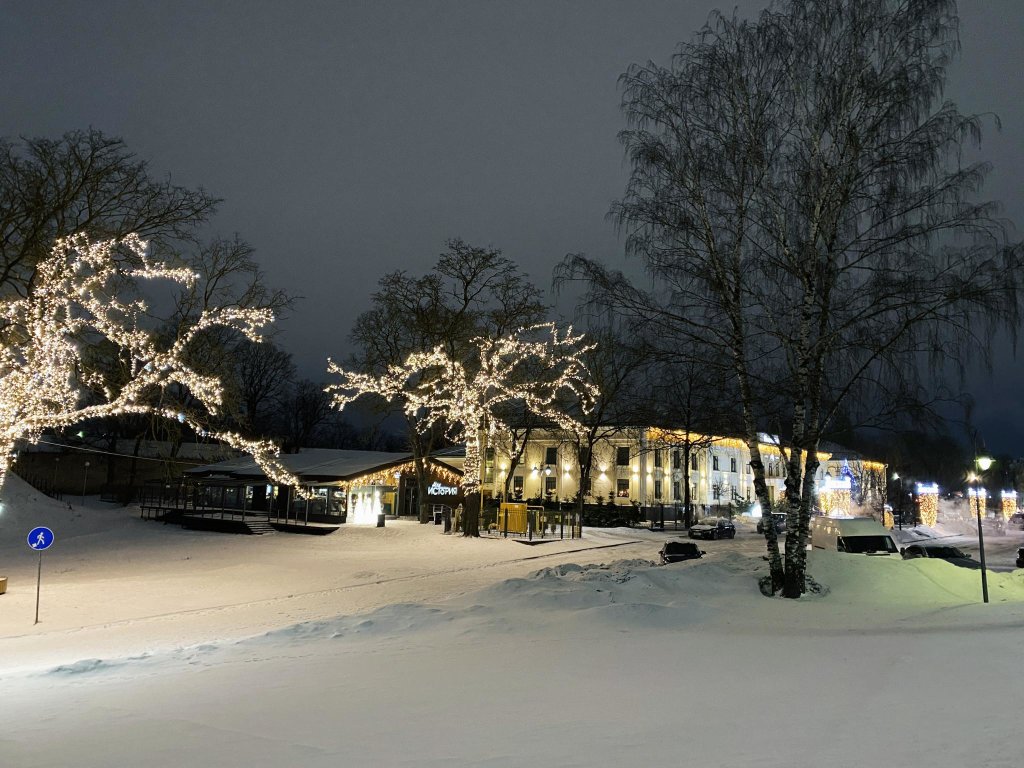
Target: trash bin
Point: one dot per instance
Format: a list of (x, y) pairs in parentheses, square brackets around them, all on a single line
[(380, 520), (3, 584)]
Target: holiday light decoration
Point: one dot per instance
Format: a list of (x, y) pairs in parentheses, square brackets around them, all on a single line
[(928, 503), (1009, 507), (74, 305), (538, 367), (835, 496)]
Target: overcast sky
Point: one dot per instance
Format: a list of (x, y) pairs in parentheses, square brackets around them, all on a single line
[(349, 139)]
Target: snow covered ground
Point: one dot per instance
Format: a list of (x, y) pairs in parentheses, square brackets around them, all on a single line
[(402, 647)]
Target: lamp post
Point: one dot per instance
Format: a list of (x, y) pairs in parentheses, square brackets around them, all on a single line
[(899, 507), (983, 462), (85, 481)]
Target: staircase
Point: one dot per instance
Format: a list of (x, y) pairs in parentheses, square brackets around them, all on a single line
[(259, 527)]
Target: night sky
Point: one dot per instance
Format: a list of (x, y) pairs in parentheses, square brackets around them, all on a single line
[(349, 139)]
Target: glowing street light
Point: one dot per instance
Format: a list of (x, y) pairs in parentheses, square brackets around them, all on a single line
[(983, 462)]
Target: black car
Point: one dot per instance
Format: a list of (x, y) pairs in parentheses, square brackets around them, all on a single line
[(779, 518), (713, 528), (940, 552), (675, 551)]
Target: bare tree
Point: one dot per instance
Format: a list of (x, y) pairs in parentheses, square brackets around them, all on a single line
[(303, 409), (43, 382), (798, 190), (468, 394), (264, 374), (83, 182), (471, 292)]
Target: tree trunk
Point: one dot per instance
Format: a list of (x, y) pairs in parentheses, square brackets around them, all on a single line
[(796, 563), (471, 514)]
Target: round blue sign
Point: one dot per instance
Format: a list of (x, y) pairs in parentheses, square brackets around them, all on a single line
[(40, 538)]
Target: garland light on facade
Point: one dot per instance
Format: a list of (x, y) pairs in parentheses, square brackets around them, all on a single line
[(74, 306)]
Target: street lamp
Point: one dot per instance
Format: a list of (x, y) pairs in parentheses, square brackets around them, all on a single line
[(899, 507), (983, 462), (85, 481)]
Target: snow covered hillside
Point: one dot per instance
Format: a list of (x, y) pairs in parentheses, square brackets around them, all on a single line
[(402, 647)]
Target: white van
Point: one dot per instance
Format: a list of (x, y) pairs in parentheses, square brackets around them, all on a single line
[(861, 535)]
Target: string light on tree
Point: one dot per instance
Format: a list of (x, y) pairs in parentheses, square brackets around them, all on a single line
[(538, 367), (928, 503), (1009, 507), (76, 303)]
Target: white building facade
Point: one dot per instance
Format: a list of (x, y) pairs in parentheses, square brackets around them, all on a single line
[(645, 465)]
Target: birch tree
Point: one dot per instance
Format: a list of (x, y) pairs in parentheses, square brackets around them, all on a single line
[(799, 191)]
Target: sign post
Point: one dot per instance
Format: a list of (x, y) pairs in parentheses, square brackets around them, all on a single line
[(39, 539)]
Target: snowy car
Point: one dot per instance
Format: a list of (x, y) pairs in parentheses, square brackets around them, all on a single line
[(713, 528), (676, 551), (945, 552)]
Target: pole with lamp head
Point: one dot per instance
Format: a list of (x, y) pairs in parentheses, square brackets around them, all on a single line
[(983, 462), (899, 506), (85, 481)]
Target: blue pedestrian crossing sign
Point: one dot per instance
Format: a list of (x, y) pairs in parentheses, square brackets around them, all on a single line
[(40, 538)]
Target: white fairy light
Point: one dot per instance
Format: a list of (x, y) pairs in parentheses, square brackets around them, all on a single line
[(467, 399), (74, 303)]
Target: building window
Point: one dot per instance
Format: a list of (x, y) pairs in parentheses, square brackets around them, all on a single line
[(549, 486), (657, 489), (675, 460), (622, 456), (714, 464), (748, 469), (717, 491), (622, 488), (517, 486), (693, 461), (732, 464), (551, 455), (584, 457), (588, 486), (657, 457), (675, 491)]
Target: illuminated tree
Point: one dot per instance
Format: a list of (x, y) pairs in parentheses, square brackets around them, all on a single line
[(469, 395), (471, 292), (77, 303)]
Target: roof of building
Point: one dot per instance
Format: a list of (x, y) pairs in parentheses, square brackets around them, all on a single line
[(315, 464)]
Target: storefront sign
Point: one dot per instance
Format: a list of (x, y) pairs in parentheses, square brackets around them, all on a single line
[(437, 489)]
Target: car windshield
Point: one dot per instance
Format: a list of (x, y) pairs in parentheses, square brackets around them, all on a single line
[(861, 544), (945, 552), (780, 517)]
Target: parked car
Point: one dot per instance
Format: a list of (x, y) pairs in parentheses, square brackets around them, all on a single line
[(675, 551), (1020, 558), (713, 528), (779, 518), (1016, 521), (940, 552)]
